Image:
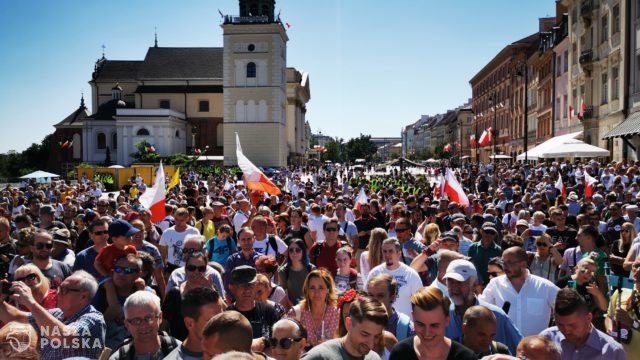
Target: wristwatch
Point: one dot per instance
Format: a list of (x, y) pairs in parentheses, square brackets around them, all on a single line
[(636, 325)]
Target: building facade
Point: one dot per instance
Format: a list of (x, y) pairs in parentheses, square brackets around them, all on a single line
[(189, 100)]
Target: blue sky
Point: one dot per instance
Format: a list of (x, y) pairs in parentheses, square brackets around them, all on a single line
[(375, 66)]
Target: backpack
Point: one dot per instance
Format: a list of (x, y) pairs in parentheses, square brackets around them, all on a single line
[(229, 245), (274, 245), (167, 344), (402, 327)]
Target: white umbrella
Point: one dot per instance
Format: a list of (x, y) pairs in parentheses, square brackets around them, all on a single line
[(116, 167), (574, 148), (39, 175), (432, 160)]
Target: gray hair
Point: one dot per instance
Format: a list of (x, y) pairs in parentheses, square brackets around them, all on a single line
[(141, 298), (86, 281), (194, 237), (234, 355)]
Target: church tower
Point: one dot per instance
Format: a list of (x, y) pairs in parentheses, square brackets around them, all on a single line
[(254, 85)]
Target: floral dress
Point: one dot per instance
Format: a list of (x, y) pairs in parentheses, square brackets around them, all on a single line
[(324, 331)]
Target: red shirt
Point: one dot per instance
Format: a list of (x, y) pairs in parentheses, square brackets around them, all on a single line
[(326, 257), (109, 254)]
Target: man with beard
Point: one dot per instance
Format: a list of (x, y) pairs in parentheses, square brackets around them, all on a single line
[(531, 297), (408, 279), (172, 240), (461, 276), (365, 324), (365, 224)]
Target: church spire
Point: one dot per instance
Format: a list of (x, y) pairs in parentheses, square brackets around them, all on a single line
[(156, 37), (82, 100)]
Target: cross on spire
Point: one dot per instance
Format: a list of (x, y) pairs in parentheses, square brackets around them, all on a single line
[(156, 36), (103, 47)]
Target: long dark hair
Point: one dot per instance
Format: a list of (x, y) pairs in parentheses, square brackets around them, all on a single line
[(305, 256)]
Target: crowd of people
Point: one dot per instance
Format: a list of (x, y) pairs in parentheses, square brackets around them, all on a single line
[(542, 263)]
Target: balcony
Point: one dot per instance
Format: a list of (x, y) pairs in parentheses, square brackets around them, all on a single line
[(586, 8), (586, 60), (262, 19), (588, 112)]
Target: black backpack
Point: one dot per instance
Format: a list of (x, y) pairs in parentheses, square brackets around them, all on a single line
[(127, 352), (274, 245)]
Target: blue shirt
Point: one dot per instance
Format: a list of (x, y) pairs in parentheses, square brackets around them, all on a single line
[(411, 244), (506, 331), (235, 260), (598, 346), (220, 250), (480, 257), (85, 260), (90, 330)]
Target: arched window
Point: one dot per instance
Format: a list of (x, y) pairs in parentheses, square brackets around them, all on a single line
[(142, 132), (251, 70), (102, 141), (178, 134), (114, 141)]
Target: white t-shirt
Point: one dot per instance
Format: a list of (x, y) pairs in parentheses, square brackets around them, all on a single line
[(530, 308), (174, 240), (408, 283), (263, 247), (315, 224), (239, 219)]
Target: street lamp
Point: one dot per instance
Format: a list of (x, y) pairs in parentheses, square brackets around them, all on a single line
[(522, 72), (493, 101)]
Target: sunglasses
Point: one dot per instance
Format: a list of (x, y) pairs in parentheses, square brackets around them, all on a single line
[(30, 277), (625, 230), (41, 246), (192, 251), (401, 230), (541, 244), (126, 270), (295, 250), (331, 229), (202, 268), (103, 232), (284, 343)]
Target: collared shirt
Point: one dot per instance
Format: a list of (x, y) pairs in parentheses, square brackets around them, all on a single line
[(598, 346), (89, 326), (480, 257), (178, 276), (530, 308), (506, 331)]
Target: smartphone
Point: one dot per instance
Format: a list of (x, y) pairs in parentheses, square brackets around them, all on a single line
[(6, 288)]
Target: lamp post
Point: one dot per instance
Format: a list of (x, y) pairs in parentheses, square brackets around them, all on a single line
[(493, 101), (194, 131), (522, 72)]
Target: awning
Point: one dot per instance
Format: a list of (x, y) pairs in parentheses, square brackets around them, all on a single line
[(630, 126), (534, 153), (574, 148)]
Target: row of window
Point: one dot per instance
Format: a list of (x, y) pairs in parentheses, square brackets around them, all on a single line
[(203, 105), (101, 138)]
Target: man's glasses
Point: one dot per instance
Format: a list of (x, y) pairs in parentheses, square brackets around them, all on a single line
[(284, 343), (30, 277), (126, 270), (331, 229), (41, 246), (64, 290), (202, 268), (102, 232), (145, 320)]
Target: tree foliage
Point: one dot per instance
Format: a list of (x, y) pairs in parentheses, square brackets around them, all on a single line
[(146, 153), (360, 148), (35, 157), (333, 151)]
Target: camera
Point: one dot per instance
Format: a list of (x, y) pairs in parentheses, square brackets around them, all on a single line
[(6, 288)]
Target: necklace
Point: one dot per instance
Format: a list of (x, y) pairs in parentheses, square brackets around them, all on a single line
[(319, 334)]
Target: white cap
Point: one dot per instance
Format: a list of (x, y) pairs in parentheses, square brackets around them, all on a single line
[(460, 270)]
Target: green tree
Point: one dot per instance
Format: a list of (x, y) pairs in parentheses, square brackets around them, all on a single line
[(360, 148), (333, 151), (146, 153)]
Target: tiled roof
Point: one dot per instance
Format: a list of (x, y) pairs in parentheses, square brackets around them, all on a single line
[(163, 89), (74, 117), (107, 110), (118, 70), (181, 63)]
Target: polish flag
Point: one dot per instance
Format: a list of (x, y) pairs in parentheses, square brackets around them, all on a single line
[(560, 186), (583, 106), (485, 138), (153, 198), (254, 179), (361, 198), (472, 140), (588, 184), (454, 190), (447, 148)]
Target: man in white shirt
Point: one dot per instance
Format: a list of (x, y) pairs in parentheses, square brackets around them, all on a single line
[(242, 215), (408, 279), (316, 223), (262, 243), (531, 297), (172, 240)]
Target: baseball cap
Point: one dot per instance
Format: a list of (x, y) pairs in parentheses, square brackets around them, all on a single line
[(243, 274), (450, 235), (457, 216), (522, 222), (489, 227), (460, 270), (61, 236), (122, 228)]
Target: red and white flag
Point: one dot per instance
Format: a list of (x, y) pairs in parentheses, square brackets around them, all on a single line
[(472, 140), (254, 179), (361, 199), (588, 184), (153, 198), (560, 186), (583, 106), (454, 190), (447, 148), (485, 138)]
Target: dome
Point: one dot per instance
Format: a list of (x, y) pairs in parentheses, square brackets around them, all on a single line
[(121, 103)]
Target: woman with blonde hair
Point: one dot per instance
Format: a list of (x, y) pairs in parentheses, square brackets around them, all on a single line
[(317, 311), (39, 285), (620, 249), (372, 257), (431, 234)]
